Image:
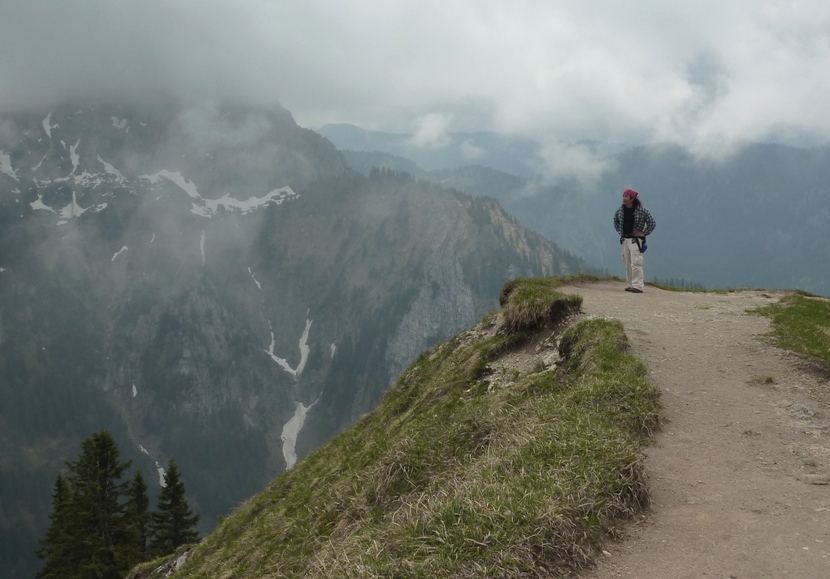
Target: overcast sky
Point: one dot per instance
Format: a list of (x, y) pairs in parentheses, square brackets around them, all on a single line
[(701, 73)]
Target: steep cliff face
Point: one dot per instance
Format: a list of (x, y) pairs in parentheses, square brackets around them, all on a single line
[(213, 284), (444, 301)]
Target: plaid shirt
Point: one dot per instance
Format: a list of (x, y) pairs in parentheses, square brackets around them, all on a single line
[(643, 221)]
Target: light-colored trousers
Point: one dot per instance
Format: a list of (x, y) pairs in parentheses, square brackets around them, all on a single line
[(633, 260)]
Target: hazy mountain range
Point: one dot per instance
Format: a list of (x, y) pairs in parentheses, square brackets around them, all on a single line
[(215, 284), (220, 285), (756, 217)]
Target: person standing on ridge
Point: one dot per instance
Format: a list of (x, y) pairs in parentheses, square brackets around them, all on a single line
[(633, 222)]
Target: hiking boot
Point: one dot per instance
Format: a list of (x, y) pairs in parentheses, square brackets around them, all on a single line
[(635, 290), (628, 289)]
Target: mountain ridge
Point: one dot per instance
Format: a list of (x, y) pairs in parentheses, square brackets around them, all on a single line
[(513, 449), (742, 445), (568, 192), (195, 281)]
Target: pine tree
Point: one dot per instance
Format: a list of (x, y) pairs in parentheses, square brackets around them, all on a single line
[(56, 546), (87, 537), (173, 523), (138, 518), (98, 511)]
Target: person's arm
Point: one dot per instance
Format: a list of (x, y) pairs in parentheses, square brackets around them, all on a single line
[(650, 223), (618, 218)]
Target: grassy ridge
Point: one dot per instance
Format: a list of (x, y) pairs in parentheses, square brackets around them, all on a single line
[(458, 475)]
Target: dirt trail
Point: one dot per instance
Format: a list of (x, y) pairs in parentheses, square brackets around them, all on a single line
[(738, 473)]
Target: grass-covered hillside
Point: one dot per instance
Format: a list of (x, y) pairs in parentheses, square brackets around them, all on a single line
[(511, 450)]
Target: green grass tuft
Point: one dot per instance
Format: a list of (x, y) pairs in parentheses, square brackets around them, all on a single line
[(801, 324), (530, 303)]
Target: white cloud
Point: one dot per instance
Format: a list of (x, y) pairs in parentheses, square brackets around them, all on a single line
[(564, 163), (471, 151), (431, 131), (646, 70)]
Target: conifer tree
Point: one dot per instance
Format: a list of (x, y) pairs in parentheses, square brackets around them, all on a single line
[(138, 518), (87, 537), (173, 523), (97, 509), (56, 546)]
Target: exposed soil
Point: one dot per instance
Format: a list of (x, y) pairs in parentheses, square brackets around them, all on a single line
[(739, 472)]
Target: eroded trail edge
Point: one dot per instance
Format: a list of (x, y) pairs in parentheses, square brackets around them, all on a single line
[(740, 469)]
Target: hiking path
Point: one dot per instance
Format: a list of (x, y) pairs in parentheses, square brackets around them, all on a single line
[(739, 470)]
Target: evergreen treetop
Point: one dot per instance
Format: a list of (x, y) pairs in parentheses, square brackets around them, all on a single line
[(173, 524), (138, 518), (87, 536), (100, 527), (56, 546)]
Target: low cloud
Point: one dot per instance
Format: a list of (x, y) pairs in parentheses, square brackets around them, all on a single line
[(471, 151), (573, 164), (705, 74), (431, 132)]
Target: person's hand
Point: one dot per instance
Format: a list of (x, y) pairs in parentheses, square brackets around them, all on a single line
[(638, 234)]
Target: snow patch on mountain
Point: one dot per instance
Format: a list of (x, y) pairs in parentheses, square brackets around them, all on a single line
[(6, 165), (117, 253), (71, 211), (177, 179), (74, 210), (277, 196), (254, 277), (47, 126), (87, 179), (304, 350), (209, 207), (40, 205), (119, 123), (159, 468), (291, 430), (74, 157), (111, 170)]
